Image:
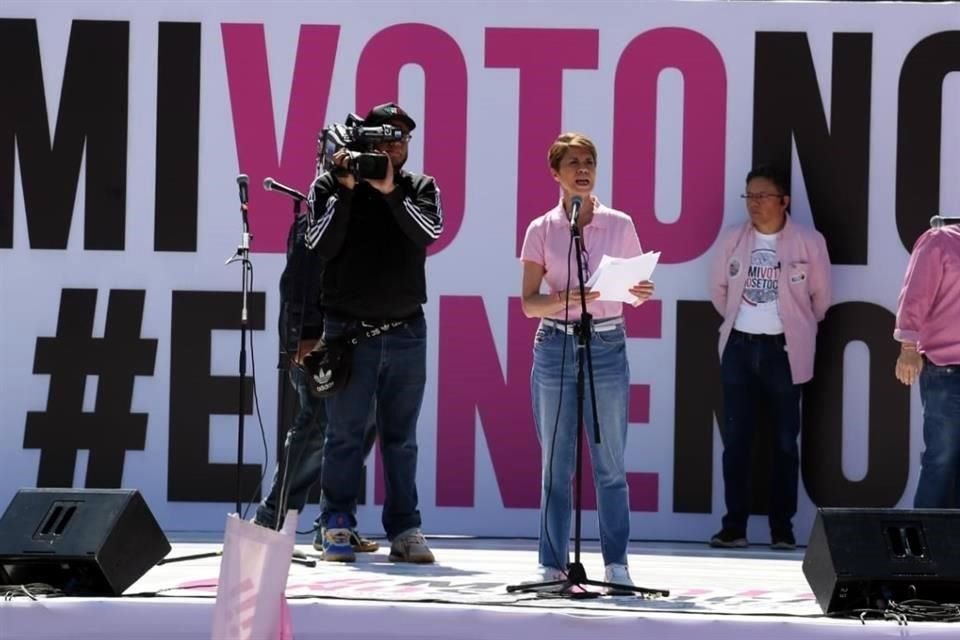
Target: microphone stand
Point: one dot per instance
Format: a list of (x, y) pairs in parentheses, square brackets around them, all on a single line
[(576, 574), (242, 255), (299, 557), (284, 367), (270, 184)]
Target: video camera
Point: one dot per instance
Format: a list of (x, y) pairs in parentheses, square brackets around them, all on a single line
[(358, 140)]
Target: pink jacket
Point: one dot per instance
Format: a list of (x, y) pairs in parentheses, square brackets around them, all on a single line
[(928, 309), (804, 287)]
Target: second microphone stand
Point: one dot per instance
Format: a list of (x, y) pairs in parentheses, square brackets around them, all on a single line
[(242, 256), (576, 575)]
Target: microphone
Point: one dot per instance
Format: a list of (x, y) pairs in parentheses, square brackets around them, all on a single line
[(242, 181), (272, 185), (938, 221), (575, 203)]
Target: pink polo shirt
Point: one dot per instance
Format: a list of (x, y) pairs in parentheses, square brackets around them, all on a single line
[(928, 309), (547, 243)]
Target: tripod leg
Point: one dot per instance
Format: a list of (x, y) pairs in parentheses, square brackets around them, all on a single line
[(534, 586), (194, 556), (614, 589)]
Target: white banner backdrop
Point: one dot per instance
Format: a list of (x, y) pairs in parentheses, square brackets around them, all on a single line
[(118, 333)]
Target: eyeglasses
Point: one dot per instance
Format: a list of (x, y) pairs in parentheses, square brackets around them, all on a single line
[(759, 197)]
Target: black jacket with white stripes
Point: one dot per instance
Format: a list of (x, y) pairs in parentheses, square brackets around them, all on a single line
[(374, 245), (300, 316)]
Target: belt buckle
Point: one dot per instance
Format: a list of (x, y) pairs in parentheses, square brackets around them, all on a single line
[(569, 328), (608, 325)]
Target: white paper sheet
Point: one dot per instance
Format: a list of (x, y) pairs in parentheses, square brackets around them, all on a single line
[(614, 276)]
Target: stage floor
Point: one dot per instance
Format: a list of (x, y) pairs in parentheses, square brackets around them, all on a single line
[(752, 593)]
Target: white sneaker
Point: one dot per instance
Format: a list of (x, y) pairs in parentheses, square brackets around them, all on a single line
[(549, 574), (617, 574)]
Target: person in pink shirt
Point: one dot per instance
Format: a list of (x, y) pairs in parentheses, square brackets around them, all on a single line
[(770, 280), (548, 257), (928, 329)]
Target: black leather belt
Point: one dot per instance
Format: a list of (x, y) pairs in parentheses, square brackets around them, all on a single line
[(760, 337)]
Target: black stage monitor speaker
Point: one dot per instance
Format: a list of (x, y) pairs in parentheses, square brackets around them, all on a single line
[(81, 541), (864, 558)]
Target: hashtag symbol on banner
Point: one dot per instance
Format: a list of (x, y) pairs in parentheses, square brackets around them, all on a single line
[(69, 359)]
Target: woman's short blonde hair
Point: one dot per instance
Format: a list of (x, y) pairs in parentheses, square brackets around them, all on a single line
[(564, 142)]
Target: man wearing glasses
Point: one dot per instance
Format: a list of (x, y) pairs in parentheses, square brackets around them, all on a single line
[(770, 280), (372, 234)]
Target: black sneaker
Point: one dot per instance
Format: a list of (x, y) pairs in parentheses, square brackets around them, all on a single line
[(729, 539), (783, 541)]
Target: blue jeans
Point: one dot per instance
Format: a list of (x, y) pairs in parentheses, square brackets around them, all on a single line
[(389, 372), (939, 486), (555, 412), (753, 365), (303, 453)]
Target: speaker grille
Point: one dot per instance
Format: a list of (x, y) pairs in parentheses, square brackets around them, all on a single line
[(56, 520)]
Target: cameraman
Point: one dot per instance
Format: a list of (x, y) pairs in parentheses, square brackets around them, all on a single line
[(372, 235)]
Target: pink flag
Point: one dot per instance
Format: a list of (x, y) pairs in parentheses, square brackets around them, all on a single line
[(251, 604)]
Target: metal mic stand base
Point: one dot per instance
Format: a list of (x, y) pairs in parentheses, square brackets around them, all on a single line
[(577, 577), (298, 557)]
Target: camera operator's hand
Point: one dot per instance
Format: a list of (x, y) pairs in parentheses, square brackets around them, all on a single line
[(303, 348), (385, 185), (341, 160)]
